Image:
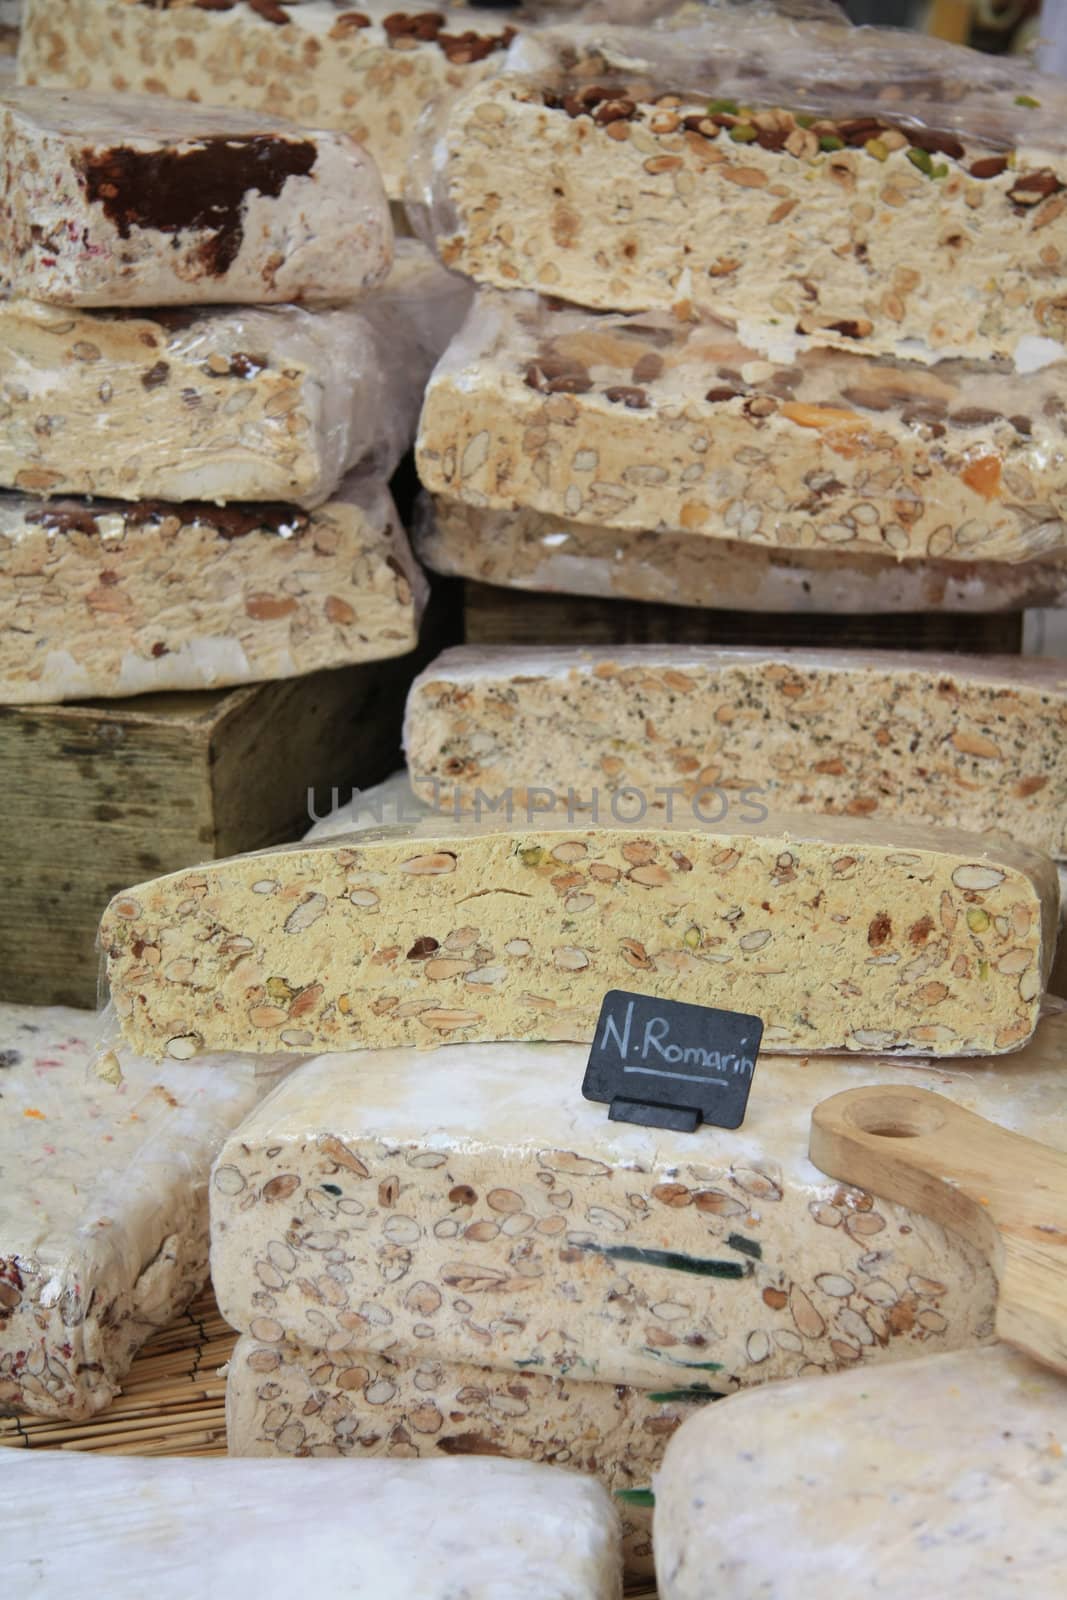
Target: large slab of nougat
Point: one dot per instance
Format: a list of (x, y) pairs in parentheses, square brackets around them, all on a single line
[(797, 204), (493, 1530), (840, 934), (219, 404), (105, 598), (646, 423), (971, 742), (370, 72), (943, 1476), (469, 1205), (104, 1162), (533, 550), (286, 1399), (138, 201)]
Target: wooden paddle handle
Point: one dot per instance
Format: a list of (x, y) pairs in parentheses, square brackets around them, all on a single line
[(1006, 1194)]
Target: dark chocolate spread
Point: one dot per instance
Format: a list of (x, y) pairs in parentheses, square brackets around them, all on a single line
[(201, 187)]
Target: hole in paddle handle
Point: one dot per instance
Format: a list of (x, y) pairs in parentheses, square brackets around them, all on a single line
[(897, 1116)]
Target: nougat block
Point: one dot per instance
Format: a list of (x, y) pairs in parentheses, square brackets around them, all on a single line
[(287, 1399), (650, 424), (942, 1476), (973, 742), (105, 598), (370, 72), (902, 227), (535, 551), (493, 1530), (104, 1162), (469, 1205), (218, 403), (840, 934), (138, 201)]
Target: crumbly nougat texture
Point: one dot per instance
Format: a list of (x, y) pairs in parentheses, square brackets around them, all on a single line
[(971, 742), (840, 934), (468, 1204), (646, 424)]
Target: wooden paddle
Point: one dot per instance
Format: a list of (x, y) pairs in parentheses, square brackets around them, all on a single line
[(1005, 1194)]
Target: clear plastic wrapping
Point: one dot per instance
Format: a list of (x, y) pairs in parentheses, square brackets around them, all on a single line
[(152, 202), (524, 1200), (104, 1161), (198, 596), (267, 403), (368, 72), (642, 424), (536, 552), (864, 188)]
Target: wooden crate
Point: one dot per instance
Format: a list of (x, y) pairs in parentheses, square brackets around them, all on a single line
[(511, 616), (101, 795)]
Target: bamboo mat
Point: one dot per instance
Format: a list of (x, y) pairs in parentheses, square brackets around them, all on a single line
[(172, 1403)]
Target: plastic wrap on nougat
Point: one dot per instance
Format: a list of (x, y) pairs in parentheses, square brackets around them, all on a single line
[(103, 1204)]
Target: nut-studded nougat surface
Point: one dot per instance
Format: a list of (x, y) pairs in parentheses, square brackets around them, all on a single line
[(102, 598), (643, 424), (860, 195), (468, 1204), (534, 550), (839, 934), (219, 403), (945, 1476), (369, 72), (287, 1399), (971, 742), (138, 201)]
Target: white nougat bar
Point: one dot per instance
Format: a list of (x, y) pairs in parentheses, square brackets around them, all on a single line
[(105, 598), (218, 403), (469, 1205), (104, 1162), (491, 1530), (287, 1399), (805, 196), (840, 934), (944, 1476), (535, 551), (370, 72), (135, 201), (647, 424), (974, 742)]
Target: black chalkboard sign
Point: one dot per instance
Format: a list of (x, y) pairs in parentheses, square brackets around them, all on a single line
[(672, 1065)]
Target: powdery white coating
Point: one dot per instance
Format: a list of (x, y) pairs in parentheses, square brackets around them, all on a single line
[(944, 1476), (99, 599), (286, 1399), (535, 551), (480, 1530), (322, 233), (646, 423), (104, 1160), (468, 1204), (316, 63), (267, 403), (841, 934), (876, 219), (975, 742)]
